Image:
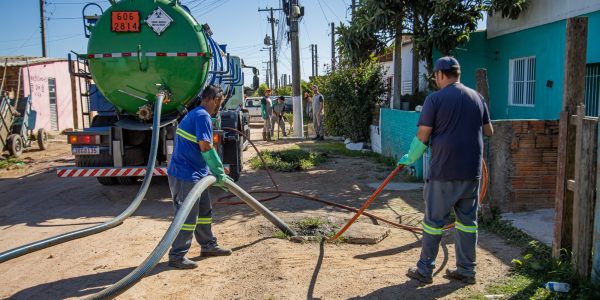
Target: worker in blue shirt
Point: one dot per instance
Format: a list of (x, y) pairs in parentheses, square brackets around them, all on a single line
[(453, 121), (193, 157)]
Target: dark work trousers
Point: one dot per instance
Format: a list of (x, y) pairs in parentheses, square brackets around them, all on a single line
[(440, 198), (197, 223)]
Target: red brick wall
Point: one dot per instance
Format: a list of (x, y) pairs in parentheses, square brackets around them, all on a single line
[(523, 158)]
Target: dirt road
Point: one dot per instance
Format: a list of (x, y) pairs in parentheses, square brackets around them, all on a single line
[(35, 204)]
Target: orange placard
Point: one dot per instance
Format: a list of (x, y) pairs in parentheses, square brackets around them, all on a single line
[(125, 21)]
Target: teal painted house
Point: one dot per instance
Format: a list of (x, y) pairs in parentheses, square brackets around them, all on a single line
[(525, 59)]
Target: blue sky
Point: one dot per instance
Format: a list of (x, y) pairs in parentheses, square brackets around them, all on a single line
[(236, 23)]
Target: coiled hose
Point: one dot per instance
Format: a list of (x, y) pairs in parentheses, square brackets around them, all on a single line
[(65, 237)]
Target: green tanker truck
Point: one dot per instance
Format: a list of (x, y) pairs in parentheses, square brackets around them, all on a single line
[(137, 49)]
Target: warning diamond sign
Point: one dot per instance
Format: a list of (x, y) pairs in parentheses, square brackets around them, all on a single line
[(159, 20)]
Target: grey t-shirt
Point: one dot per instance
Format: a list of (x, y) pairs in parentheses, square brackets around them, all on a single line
[(457, 115), (316, 103)]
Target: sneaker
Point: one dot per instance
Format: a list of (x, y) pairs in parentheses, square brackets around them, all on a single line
[(413, 273), (183, 263), (453, 273), (215, 251)]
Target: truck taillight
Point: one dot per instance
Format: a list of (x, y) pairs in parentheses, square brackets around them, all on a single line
[(84, 139), (216, 139)]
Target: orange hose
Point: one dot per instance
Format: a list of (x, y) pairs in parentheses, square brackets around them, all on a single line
[(358, 212)]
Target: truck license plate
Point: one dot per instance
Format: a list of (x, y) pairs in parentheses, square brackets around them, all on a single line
[(86, 150)]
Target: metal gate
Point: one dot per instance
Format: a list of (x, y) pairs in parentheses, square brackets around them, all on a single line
[(592, 90), (53, 110)]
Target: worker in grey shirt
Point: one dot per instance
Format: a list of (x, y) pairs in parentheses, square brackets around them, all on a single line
[(452, 122), (266, 110), (278, 112), (318, 105)]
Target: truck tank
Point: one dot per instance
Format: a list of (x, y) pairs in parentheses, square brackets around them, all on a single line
[(138, 45)]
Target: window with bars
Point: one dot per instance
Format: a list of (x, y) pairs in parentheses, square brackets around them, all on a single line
[(592, 90), (521, 81)]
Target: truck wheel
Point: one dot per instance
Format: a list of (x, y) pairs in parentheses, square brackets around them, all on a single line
[(235, 170), (42, 139), (15, 145), (102, 160)]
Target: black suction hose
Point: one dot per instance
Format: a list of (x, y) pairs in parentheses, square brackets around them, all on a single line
[(59, 239)]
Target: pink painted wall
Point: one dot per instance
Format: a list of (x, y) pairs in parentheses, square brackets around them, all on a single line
[(41, 97)]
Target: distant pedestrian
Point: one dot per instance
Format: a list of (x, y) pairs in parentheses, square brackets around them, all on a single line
[(308, 105), (318, 105), (452, 121), (266, 110), (278, 113)]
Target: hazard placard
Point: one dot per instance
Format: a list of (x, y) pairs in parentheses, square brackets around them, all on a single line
[(125, 21)]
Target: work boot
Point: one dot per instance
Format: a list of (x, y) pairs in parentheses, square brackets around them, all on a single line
[(453, 273), (215, 251), (183, 263), (414, 273), (264, 136)]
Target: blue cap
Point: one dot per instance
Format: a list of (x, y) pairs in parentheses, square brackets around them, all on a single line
[(446, 63)]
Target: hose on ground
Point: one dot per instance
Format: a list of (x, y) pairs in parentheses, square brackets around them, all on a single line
[(164, 244), (116, 221), (358, 212), (159, 251)]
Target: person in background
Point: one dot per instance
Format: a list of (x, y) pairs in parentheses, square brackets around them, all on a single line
[(308, 104), (278, 113), (266, 110), (318, 105)]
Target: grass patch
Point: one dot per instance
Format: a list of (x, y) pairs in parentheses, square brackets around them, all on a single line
[(289, 160), (280, 235), (536, 267), (310, 223), (339, 148), (11, 161)]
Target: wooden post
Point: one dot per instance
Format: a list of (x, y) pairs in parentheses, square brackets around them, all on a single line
[(484, 89), (584, 194), (596, 257), (573, 95)]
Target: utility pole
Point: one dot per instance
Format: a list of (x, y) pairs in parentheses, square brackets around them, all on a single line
[(316, 61), (312, 60), (332, 47), (43, 28), (296, 12), (273, 21), (270, 66)]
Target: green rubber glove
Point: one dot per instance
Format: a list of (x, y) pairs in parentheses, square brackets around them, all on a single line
[(216, 167), (416, 150), (262, 111)]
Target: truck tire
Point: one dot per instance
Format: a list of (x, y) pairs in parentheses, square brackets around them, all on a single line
[(42, 139), (15, 145), (102, 160)]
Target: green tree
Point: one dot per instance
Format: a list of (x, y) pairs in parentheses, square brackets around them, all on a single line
[(283, 91), (351, 93)]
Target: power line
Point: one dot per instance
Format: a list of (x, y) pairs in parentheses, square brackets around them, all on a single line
[(323, 11), (325, 2)]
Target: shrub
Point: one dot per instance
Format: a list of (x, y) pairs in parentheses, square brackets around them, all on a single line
[(350, 97), (288, 160)]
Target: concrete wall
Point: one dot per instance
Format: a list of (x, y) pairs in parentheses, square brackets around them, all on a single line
[(398, 128), (40, 94), (540, 12), (522, 157)]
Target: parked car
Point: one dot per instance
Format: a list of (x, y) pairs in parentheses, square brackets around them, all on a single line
[(252, 104)]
